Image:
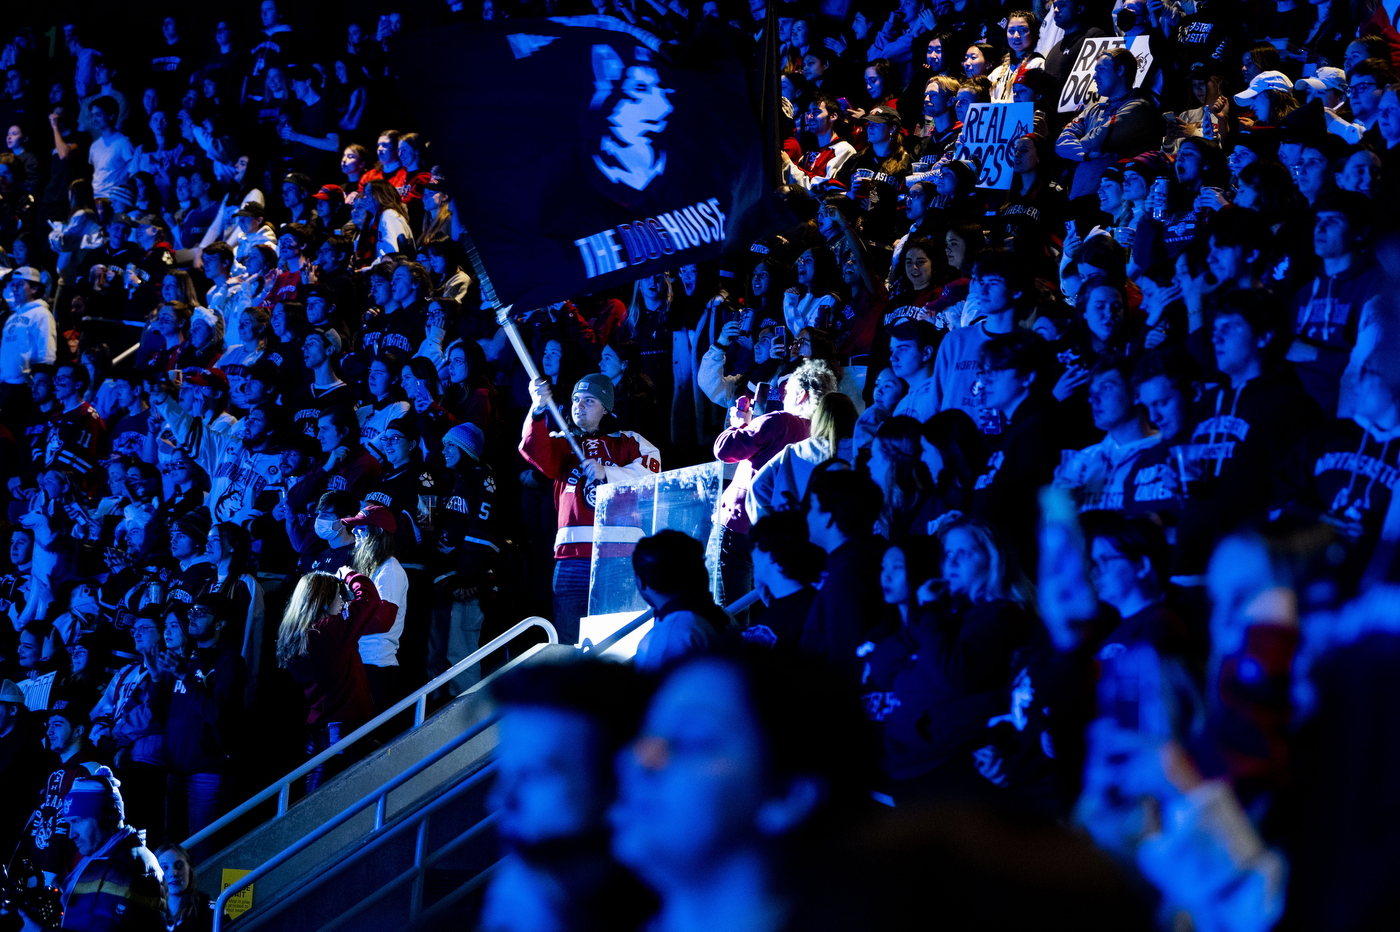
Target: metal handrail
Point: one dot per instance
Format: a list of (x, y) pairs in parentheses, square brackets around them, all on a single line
[(115, 321), (607, 643), (421, 862), (376, 799), (451, 899), (743, 602), (282, 788)]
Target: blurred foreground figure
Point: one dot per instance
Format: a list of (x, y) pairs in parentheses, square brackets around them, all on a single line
[(561, 726), (741, 768)]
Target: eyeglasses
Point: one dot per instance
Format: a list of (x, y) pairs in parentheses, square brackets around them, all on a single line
[(200, 611), (1101, 563), (1356, 90)]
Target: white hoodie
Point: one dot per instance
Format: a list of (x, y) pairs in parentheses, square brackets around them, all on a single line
[(29, 337)]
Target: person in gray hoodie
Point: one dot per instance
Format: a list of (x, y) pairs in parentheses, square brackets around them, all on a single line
[(782, 482)]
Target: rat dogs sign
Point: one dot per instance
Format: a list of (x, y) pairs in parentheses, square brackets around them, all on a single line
[(1079, 90)]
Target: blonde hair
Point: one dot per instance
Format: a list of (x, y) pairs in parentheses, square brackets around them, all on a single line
[(946, 84), (310, 602), (372, 550), (834, 421), (639, 305), (1005, 578)]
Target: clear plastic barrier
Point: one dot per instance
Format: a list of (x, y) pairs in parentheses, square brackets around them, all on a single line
[(685, 500)]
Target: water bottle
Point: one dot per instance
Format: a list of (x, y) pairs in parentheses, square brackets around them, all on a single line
[(1159, 198)]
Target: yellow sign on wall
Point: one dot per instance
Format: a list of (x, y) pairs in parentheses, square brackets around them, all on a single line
[(240, 902)]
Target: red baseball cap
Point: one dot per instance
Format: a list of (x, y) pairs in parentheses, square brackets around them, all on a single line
[(330, 192), (208, 378), (373, 516)]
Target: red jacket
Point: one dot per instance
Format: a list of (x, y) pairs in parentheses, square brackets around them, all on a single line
[(752, 447), (625, 455), (330, 672)]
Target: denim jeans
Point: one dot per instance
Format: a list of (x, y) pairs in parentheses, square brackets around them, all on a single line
[(318, 738), (193, 801), (570, 596), (454, 636)]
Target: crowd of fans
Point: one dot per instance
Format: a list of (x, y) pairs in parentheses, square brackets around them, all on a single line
[(1081, 491)]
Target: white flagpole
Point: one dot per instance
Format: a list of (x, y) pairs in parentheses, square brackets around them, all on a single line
[(489, 299)]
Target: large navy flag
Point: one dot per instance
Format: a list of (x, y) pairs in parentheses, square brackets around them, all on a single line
[(581, 155)]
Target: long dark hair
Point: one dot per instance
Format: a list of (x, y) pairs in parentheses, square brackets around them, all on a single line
[(976, 240), (190, 905), (239, 546), (964, 454), (635, 381), (424, 371), (779, 278), (826, 272), (479, 372), (823, 348), (80, 196), (907, 485), (891, 86)]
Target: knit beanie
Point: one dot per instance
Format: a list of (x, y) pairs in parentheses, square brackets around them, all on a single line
[(599, 386), (206, 315), (94, 797), (965, 172), (193, 525), (137, 516), (467, 438)]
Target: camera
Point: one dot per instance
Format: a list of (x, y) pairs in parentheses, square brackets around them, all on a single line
[(25, 890)]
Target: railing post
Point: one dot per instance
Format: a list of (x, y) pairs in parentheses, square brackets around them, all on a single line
[(283, 787), (415, 903), (379, 811)]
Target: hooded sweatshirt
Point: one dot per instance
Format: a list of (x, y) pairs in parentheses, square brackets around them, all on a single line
[(1344, 474), (1244, 436), (1326, 316), (202, 710), (29, 336)]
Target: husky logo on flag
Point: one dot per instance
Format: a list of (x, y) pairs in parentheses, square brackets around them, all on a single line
[(641, 111), (657, 163)]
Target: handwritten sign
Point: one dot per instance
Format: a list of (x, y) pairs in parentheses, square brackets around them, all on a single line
[(989, 137), (240, 902), (1079, 90)]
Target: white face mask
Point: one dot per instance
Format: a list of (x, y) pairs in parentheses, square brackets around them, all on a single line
[(327, 528)]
